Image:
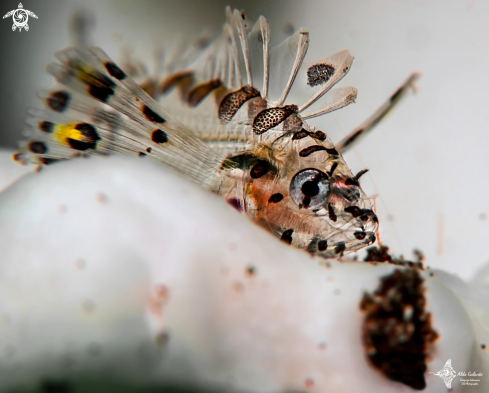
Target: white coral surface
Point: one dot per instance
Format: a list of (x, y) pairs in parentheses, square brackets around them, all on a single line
[(118, 268)]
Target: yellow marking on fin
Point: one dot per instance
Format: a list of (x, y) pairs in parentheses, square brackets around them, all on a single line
[(89, 79), (68, 131)]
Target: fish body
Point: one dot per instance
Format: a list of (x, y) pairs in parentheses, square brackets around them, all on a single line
[(230, 116)]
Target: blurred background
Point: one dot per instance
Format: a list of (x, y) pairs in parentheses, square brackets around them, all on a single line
[(427, 160)]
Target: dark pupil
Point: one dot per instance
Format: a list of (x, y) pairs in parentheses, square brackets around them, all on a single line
[(310, 188)]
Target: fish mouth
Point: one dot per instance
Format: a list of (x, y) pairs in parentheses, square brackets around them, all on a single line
[(340, 243)]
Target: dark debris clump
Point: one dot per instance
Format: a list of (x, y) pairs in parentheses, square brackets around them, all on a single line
[(381, 254), (396, 331)]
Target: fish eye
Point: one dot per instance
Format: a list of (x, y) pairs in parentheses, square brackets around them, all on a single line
[(309, 188)]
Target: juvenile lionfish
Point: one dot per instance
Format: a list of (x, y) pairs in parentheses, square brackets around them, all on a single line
[(224, 119)]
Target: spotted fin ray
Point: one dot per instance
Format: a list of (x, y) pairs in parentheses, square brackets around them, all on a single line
[(125, 119)]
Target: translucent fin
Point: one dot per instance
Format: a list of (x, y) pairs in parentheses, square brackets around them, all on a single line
[(318, 77), (302, 45), (337, 98), (213, 89), (282, 63), (95, 75), (238, 22), (259, 49)]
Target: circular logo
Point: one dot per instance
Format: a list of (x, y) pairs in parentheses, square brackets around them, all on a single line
[(20, 17)]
